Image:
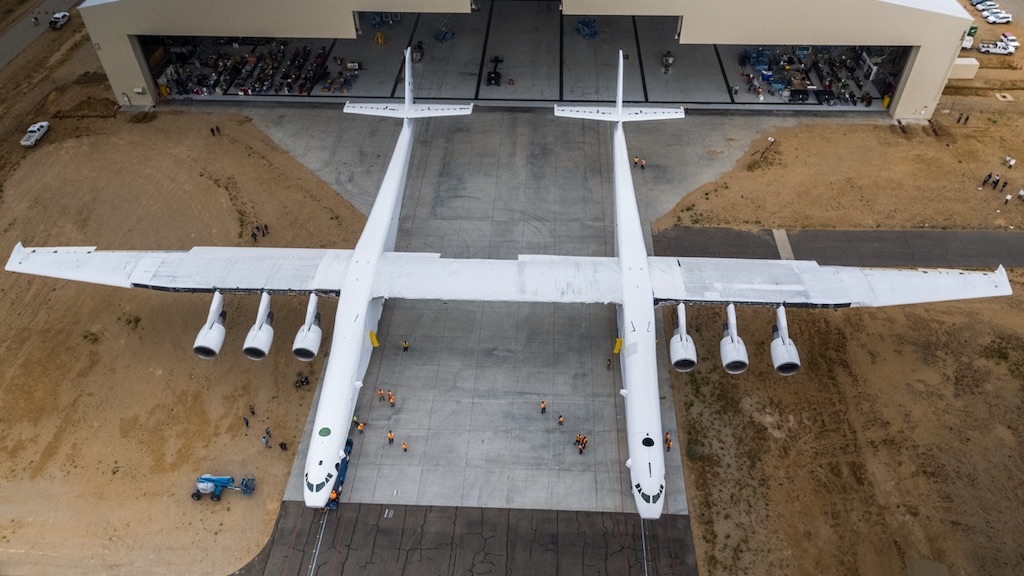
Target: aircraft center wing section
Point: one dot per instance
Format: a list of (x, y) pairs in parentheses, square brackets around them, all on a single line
[(531, 278), (805, 283), (201, 269)]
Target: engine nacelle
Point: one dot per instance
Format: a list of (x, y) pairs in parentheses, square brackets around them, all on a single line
[(261, 335), (681, 349), (307, 339), (784, 354), (732, 349), (211, 335)]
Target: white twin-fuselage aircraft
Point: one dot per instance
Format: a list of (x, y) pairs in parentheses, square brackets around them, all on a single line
[(373, 271)]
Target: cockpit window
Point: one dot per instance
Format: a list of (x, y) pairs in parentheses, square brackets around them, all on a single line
[(650, 498), (648, 442)]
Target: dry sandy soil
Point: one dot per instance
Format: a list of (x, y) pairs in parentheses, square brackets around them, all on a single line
[(896, 449), (107, 417)]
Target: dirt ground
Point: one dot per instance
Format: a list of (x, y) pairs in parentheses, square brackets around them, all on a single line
[(896, 450), (106, 420)]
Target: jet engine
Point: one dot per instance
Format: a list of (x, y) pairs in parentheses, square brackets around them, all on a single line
[(307, 339), (261, 335), (211, 335), (681, 348), (784, 354), (732, 349)]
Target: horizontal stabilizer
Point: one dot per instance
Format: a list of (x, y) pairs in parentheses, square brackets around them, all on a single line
[(611, 114), (399, 110)]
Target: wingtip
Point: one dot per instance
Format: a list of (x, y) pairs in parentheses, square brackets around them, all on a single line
[(16, 253), (1004, 280)]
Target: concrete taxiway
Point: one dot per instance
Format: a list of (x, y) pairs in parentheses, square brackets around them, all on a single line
[(494, 185)]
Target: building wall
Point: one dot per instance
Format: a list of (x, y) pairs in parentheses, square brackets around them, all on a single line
[(113, 25), (933, 27)]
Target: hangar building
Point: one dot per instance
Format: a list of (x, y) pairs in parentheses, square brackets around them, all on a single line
[(898, 51)]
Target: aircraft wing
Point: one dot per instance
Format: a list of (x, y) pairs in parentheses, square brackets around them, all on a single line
[(805, 283), (201, 269), (531, 278)]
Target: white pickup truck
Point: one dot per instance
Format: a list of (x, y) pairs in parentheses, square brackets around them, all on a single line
[(993, 47), (35, 132)]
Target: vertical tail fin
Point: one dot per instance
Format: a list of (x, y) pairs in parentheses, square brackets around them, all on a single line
[(618, 113), (618, 89), (408, 79), (408, 109)]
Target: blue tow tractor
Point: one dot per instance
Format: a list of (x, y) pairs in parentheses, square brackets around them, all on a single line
[(214, 485), (332, 504)]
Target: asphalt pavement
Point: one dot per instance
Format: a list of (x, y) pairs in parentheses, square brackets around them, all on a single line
[(883, 248), (22, 33), (372, 539)]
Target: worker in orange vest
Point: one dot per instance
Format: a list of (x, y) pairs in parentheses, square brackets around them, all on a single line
[(405, 447), (391, 437), (360, 427), (543, 407)]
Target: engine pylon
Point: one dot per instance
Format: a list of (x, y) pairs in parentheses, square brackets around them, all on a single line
[(785, 357), (307, 339), (211, 335), (681, 348), (731, 348), (261, 335)]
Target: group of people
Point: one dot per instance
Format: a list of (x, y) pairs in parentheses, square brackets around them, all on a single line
[(259, 230), (581, 443), (266, 431), (391, 396), (999, 183), (361, 427)]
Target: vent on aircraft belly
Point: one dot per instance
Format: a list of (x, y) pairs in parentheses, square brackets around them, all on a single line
[(648, 442)]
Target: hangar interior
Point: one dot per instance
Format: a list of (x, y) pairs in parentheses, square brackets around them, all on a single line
[(199, 67), (536, 51)]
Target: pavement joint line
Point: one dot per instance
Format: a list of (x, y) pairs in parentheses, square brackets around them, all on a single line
[(782, 243)]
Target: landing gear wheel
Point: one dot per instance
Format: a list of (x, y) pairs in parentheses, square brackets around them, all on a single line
[(197, 495)]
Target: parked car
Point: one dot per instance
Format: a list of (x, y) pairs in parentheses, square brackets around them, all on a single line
[(992, 12), (991, 47), (976, 2), (967, 43), (1003, 18), (59, 19), (35, 132), (1010, 40), (985, 6)]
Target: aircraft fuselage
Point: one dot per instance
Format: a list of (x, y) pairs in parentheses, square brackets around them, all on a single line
[(638, 355)]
